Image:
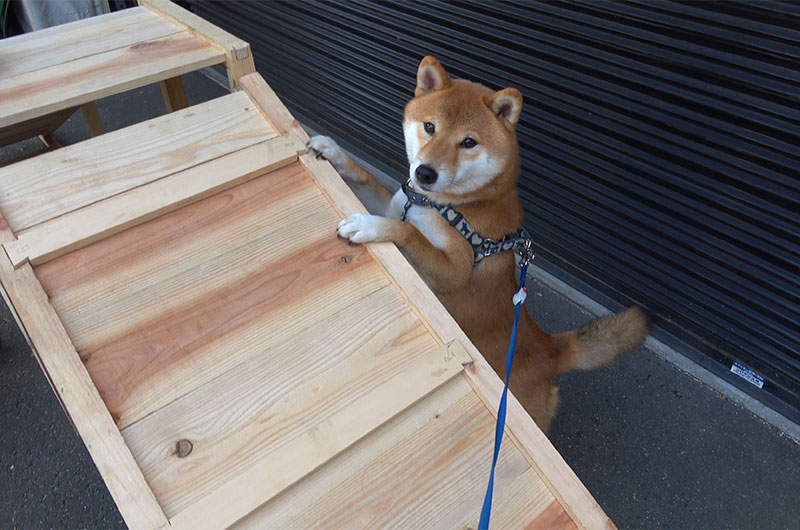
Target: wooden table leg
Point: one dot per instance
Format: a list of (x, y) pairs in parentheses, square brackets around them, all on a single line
[(174, 95), (92, 117)]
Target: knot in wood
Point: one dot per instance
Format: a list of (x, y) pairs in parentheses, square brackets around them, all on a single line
[(183, 447)]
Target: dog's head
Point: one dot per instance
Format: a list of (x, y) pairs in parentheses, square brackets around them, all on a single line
[(460, 136)]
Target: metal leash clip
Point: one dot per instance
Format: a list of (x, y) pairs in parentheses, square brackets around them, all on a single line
[(526, 252)]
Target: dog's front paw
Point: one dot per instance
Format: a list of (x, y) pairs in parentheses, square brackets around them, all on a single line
[(364, 228), (325, 147)]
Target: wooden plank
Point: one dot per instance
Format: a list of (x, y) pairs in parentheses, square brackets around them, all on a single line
[(271, 107), (56, 183), (174, 94), (67, 42), (206, 286), (238, 58), (106, 290), (309, 380), (33, 94), (79, 397), (92, 117), (44, 125), (379, 391), (99, 220), (570, 492), (426, 468)]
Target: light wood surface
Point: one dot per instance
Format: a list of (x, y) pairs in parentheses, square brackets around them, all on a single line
[(101, 219), (426, 468), (44, 187), (78, 395), (67, 42), (46, 90), (238, 57)]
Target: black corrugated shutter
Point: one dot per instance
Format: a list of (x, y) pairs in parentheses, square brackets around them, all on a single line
[(659, 140)]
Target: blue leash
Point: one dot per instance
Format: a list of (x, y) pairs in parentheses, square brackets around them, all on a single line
[(501, 410)]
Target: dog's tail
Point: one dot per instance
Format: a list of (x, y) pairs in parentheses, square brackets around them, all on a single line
[(601, 341)]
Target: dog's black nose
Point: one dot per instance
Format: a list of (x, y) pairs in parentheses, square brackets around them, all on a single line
[(426, 174)]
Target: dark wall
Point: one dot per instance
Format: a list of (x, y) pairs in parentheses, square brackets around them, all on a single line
[(659, 143)]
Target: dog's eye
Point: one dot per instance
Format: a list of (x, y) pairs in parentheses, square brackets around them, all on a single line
[(468, 143), (429, 127)]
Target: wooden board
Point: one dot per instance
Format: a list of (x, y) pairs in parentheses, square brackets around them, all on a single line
[(50, 185), (65, 85), (78, 228), (425, 468), (62, 44)]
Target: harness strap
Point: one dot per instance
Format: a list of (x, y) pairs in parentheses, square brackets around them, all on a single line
[(519, 242)]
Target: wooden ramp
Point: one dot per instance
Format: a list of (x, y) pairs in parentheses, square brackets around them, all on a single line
[(228, 361)]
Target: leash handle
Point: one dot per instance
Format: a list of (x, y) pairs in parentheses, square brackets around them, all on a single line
[(486, 511)]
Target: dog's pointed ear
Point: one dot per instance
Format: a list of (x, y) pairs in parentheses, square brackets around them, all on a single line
[(506, 105), (431, 76)]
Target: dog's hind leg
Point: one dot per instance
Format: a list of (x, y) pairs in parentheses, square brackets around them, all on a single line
[(374, 196)]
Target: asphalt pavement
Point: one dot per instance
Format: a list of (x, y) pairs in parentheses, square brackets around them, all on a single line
[(655, 446)]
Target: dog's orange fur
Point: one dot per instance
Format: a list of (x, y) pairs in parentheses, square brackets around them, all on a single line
[(478, 297)]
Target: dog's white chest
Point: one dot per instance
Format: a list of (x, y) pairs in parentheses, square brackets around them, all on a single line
[(427, 220)]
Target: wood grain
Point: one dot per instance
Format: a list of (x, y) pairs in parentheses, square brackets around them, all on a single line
[(202, 286), (80, 398), (66, 42), (49, 89), (311, 381), (365, 402), (426, 468), (238, 57), (81, 227), (44, 187)]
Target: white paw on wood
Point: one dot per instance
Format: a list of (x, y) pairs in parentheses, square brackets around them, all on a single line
[(363, 228), (327, 148)]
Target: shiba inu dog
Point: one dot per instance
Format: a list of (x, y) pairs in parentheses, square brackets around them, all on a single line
[(463, 157)]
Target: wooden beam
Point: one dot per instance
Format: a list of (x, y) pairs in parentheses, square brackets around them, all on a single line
[(174, 94), (43, 125), (567, 488), (99, 220), (92, 117), (238, 57), (78, 395)]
